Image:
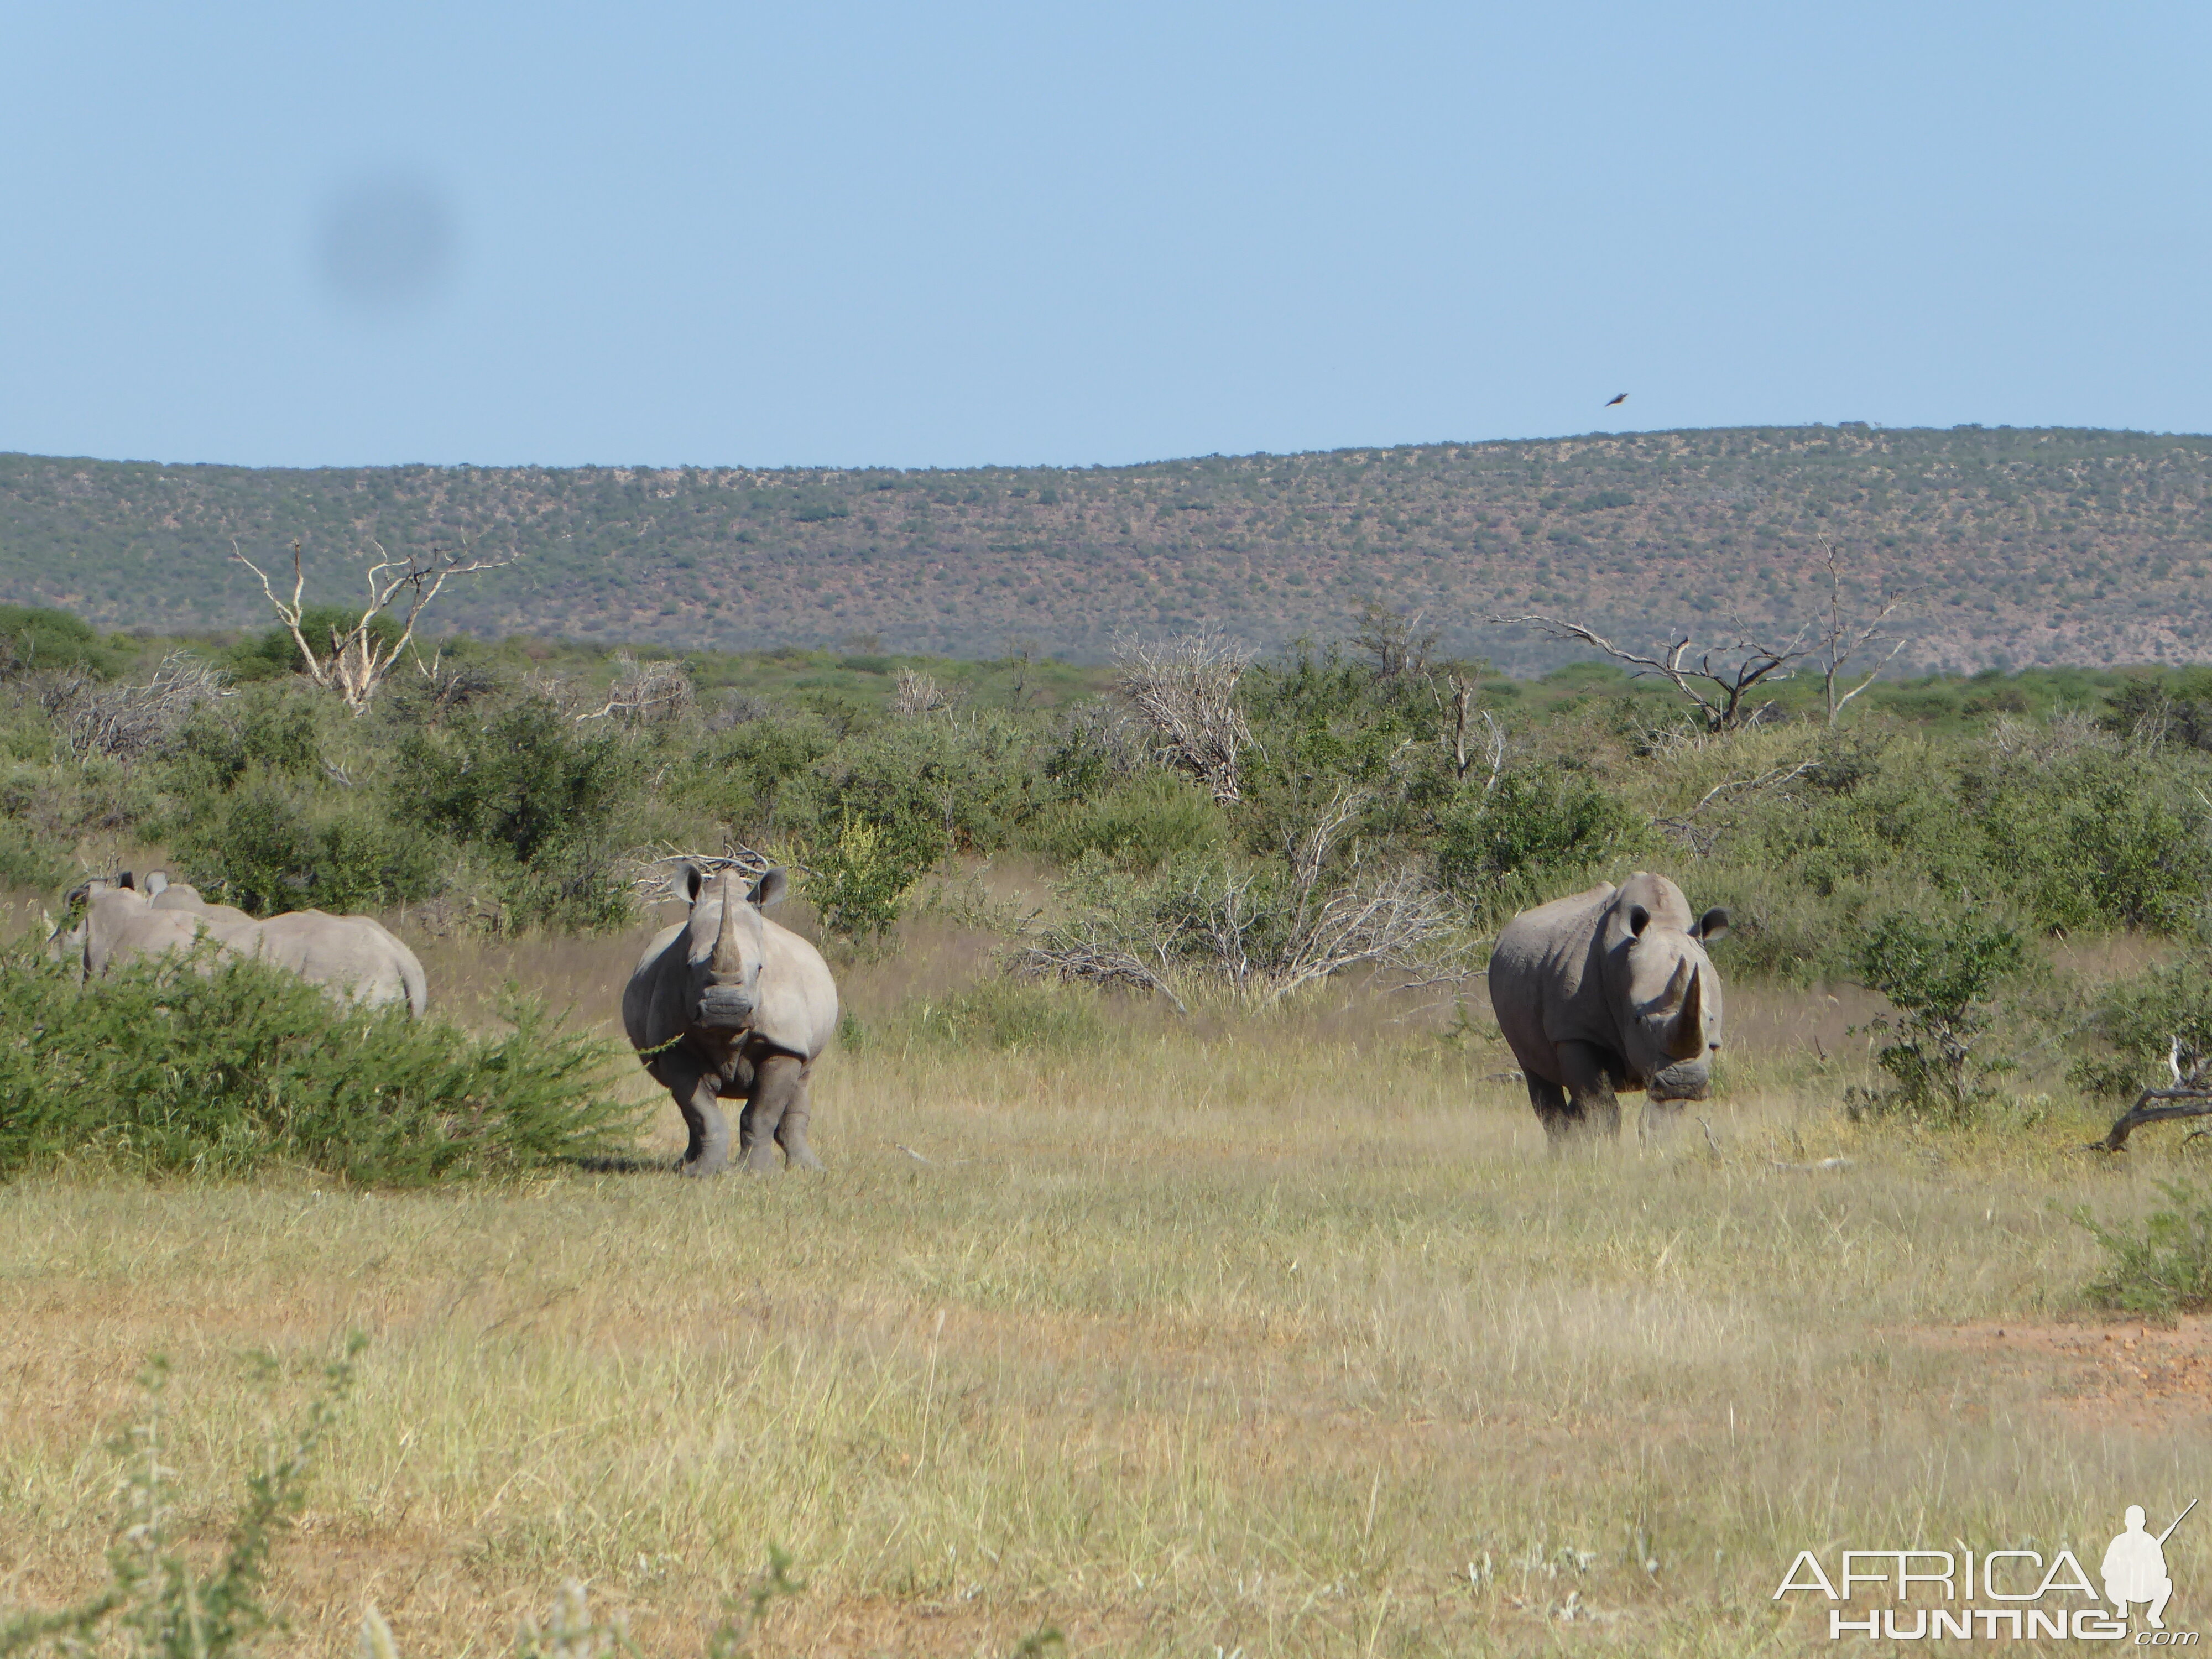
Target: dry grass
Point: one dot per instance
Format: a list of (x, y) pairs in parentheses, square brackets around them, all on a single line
[(1254, 1334)]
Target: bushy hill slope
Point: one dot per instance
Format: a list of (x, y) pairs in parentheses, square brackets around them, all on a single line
[(2024, 546)]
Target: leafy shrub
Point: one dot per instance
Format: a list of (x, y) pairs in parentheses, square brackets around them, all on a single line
[(1939, 972), (261, 848), (2164, 1269), (858, 883), (2098, 838), (520, 782), (33, 638), (28, 861), (2140, 1018), (1142, 822), (159, 1067), (1532, 824)]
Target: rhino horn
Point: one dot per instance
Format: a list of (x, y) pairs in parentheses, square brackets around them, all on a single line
[(1685, 1036), (726, 959)]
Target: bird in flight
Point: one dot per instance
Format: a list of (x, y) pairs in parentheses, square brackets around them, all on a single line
[(1622, 399)]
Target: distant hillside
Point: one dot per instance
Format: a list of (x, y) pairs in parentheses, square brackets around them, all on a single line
[(2024, 546)]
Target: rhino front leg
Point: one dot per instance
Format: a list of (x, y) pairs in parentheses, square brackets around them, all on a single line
[(791, 1130), (707, 1131), (778, 1081), (1592, 1107)]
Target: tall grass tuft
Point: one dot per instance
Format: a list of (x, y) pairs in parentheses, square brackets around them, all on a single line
[(220, 1069)]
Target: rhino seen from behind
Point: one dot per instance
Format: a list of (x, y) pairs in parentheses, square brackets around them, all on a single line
[(1609, 990)]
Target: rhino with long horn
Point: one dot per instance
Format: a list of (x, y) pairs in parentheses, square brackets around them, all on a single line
[(727, 1005), (1609, 990)]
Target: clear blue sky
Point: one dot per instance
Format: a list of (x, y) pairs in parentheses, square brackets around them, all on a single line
[(923, 235)]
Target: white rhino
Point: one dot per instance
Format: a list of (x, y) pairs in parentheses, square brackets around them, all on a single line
[(354, 958), (727, 1005), (120, 925), (1609, 990)]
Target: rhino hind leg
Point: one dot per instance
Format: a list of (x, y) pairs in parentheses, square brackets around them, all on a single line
[(779, 1085)]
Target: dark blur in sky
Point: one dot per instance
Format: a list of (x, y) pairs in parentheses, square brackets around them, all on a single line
[(916, 235)]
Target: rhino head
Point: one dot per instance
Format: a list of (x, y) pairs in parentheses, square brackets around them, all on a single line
[(723, 946), (1671, 1021)]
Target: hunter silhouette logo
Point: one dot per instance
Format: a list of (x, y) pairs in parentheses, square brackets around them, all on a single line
[(2135, 1567), (2001, 1594)]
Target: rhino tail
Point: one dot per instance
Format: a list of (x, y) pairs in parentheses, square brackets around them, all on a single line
[(418, 987)]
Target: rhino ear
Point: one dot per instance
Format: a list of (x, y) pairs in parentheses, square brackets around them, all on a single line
[(684, 881), (771, 888), (1711, 925), (1638, 920), (156, 884), (127, 881)]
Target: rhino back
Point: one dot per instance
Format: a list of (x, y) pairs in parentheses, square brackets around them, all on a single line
[(798, 994), (1545, 987)]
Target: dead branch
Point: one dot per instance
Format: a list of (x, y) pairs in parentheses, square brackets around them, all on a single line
[(2188, 1096), (1718, 680), (1079, 953), (644, 693), (1395, 639), (1186, 690), (915, 694), (650, 869), (1842, 639), (354, 663), (1493, 740), (125, 721)]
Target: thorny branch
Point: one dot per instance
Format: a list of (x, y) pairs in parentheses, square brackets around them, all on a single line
[(1732, 672)]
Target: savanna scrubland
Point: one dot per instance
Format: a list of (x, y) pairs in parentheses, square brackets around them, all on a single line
[(1161, 1290)]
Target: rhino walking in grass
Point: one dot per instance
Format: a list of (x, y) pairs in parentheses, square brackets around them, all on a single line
[(1609, 990), (353, 958), (727, 1005)]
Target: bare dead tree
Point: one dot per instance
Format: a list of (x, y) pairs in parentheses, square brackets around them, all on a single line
[(2188, 1094), (644, 693), (1463, 738), (123, 722), (1718, 678), (1265, 931), (915, 694), (1699, 837), (354, 662), (1395, 639), (1186, 690), (1842, 639)]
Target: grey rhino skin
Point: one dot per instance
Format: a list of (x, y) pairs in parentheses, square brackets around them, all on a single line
[(1609, 990), (353, 958), (725, 1006), (120, 926), (356, 959)]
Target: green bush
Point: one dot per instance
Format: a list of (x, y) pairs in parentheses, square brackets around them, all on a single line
[(159, 1067), (2165, 1268), (265, 850), (858, 882), (2140, 1018), (1141, 823), (33, 638), (1496, 847), (1939, 971)]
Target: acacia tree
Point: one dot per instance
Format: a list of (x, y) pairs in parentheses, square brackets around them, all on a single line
[(354, 662), (1719, 679)]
